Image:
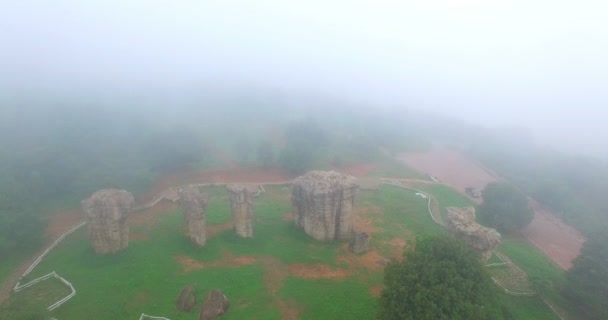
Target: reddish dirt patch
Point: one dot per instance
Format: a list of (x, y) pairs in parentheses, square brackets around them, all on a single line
[(227, 261), (146, 219), (244, 260), (559, 241), (357, 170), (370, 260), (554, 238), (140, 299), (290, 310), (212, 230), (375, 291), (61, 222), (451, 167), (150, 217), (232, 175), (362, 220), (317, 271), (275, 274)]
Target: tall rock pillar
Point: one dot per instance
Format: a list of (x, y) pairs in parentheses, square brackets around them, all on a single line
[(242, 198), (106, 213), (323, 204), (194, 204)]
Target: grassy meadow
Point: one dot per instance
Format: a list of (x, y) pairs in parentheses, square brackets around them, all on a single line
[(281, 273)]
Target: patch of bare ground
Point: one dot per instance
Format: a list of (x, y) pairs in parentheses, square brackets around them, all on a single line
[(212, 230), (451, 167), (398, 246), (143, 221), (288, 217), (226, 261), (317, 271), (232, 175), (375, 291), (363, 220), (61, 222), (140, 299), (371, 260), (274, 277), (557, 240), (357, 170)]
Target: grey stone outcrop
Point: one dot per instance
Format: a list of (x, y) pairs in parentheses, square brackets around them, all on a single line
[(106, 212), (194, 205), (242, 200), (461, 222), (323, 204)]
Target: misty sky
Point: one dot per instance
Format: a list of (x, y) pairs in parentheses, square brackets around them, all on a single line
[(541, 64)]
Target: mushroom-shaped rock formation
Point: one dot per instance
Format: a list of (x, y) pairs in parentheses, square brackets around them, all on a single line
[(215, 306), (461, 222), (323, 204), (359, 243), (106, 213), (186, 299), (194, 204), (242, 198)]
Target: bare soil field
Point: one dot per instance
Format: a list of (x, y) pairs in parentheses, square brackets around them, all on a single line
[(559, 241), (451, 168)]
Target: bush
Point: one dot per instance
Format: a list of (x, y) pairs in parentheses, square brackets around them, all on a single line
[(441, 279)]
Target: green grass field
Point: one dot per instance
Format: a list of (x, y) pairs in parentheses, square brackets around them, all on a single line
[(446, 196), (148, 276)]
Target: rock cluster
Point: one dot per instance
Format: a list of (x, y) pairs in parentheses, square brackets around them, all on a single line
[(186, 299), (461, 222), (194, 204), (106, 213), (323, 204), (359, 243), (215, 306), (241, 203)]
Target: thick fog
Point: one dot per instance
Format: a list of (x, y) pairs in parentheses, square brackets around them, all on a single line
[(537, 64)]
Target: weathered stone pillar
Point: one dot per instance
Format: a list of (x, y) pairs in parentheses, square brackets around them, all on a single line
[(242, 198), (194, 204), (106, 213), (323, 204), (461, 222)]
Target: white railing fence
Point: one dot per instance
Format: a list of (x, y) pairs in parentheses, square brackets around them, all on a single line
[(145, 316)]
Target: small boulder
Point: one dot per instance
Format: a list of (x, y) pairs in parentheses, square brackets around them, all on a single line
[(186, 299), (359, 243), (215, 306)]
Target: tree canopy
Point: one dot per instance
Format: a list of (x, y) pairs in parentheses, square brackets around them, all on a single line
[(587, 281), (504, 207), (440, 279)]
